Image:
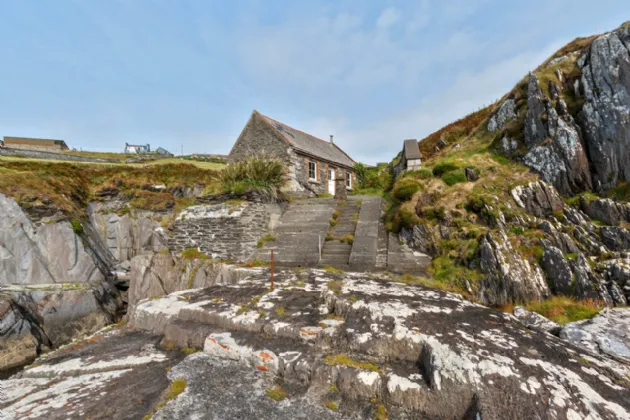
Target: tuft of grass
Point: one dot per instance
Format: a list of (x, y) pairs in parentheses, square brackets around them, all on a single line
[(243, 309), (331, 405), (277, 393), (345, 360), (454, 177), (281, 312), (333, 388), (381, 413), (333, 270), (443, 168), (189, 350), (267, 238), (348, 239), (191, 254), (177, 387), (77, 226), (563, 309), (254, 173), (335, 286), (405, 188)]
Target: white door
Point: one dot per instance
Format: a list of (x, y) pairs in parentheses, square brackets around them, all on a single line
[(331, 181)]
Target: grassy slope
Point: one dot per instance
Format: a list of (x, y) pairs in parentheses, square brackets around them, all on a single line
[(70, 186), (177, 161)]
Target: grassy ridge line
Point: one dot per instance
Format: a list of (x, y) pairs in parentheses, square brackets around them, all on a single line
[(167, 161)]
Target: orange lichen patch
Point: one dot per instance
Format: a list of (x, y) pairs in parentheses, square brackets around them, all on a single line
[(262, 368), (309, 331), (224, 346), (266, 357)]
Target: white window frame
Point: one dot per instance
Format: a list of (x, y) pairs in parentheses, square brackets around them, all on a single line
[(314, 177), (348, 180)]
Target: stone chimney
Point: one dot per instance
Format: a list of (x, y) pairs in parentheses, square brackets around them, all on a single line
[(331, 139)]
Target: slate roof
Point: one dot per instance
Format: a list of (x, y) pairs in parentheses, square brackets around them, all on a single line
[(311, 145), (411, 149)]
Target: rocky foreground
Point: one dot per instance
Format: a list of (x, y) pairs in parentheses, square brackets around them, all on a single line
[(325, 345)]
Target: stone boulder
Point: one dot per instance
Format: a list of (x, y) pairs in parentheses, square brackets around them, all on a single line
[(557, 269), (536, 322), (36, 318), (616, 238), (588, 285), (538, 198), (607, 333), (618, 272), (606, 210), (509, 277)]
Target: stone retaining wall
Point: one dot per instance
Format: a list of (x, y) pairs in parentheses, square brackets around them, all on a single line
[(227, 231)]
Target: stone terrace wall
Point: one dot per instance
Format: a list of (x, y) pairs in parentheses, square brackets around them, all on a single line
[(34, 154), (227, 231)]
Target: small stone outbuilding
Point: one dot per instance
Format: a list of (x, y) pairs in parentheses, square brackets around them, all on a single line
[(411, 156), (314, 165), (40, 145)]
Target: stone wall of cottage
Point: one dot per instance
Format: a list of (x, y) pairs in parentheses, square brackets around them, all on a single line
[(256, 138)]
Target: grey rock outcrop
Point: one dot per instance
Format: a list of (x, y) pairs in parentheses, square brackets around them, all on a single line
[(554, 145), (538, 198), (509, 277), (160, 274), (536, 322), (43, 254), (606, 210), (505, 114), (606, 112), (35, 318), (557, 269), (616, 238), (587, 284), (618, 272), (607, 333), (127, 235)]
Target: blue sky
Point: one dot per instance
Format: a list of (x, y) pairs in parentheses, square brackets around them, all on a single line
[(99, 73)]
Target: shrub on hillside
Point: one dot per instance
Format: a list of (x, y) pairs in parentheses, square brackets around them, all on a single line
[(259, 173), (442, 168), (405, 189), (454, 177)]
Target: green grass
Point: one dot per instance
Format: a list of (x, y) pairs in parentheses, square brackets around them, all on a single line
[(333, 270), (345, 360), (405, 188), (281, 312), (454, 177), (331, 405), (260, 173), (277, 393), (335, 286), (190, 254), (77, 226), (267, 238), (381, 413), (562, 309)]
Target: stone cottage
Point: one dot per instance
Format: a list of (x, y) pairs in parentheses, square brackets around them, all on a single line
[(411, 156), (314, 165)]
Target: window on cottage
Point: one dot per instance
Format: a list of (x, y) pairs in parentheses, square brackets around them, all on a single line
[(349, 179), (312, 172)]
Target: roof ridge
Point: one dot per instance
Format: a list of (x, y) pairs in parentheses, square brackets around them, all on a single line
[(296, 129)]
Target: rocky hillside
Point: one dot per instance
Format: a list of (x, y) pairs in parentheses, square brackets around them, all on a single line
[(527, 199)]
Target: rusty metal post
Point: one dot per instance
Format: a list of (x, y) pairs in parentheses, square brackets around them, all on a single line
[(272, 267)]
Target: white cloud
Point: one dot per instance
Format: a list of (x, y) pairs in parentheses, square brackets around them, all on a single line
[(388, 17)]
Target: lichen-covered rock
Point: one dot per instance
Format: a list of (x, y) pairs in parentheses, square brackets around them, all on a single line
[(554, 145), (606, 112), (538, 198), (587, 284), (536, 321), (160, 274), (607, 333), (618, 271), (606, 210), (505, 113), (421, 353), (557, 269), (616, 238), (509, 277)]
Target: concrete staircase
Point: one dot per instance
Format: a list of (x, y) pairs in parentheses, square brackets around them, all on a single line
[(298, 239), (336, 252), (300, 233)]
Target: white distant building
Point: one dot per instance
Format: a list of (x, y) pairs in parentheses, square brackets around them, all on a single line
[(137, 148)]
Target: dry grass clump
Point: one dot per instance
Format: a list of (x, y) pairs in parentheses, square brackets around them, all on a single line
[(259, 173), (562, 309)]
